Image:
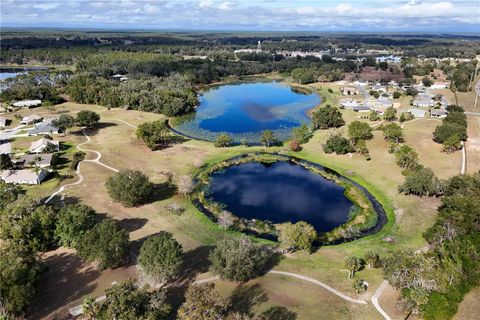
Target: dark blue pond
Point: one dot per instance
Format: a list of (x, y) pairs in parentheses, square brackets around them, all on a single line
[(244, 110), (280, 192)]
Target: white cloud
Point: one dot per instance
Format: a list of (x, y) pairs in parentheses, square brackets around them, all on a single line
[(225, 6)]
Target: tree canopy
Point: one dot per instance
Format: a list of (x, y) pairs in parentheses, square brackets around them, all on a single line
[(296, 236), (153, 133), (129, 187), (161, 257), (238, 259), (327, 117)]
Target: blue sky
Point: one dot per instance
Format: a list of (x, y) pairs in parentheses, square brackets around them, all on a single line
[(269, 15)]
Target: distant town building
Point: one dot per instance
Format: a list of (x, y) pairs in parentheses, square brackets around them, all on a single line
[(42, 128), (438, 113), (440, 85), (349, 91), (417, 113)]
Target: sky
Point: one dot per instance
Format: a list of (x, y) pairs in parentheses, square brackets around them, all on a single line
[(250, 15)]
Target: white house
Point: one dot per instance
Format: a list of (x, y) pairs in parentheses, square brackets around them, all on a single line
[(349, 91), (27, 103), (33, 118), (3, 122), (439, 113), (24, 176), (40, 145), (349, 103), (417, 113), (440, 85)]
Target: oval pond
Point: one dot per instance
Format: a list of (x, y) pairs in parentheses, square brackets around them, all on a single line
[(280, 192), (244, 110)]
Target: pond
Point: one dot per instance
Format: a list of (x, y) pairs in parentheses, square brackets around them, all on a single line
[(244, 110), (280, 192), (11, 72)]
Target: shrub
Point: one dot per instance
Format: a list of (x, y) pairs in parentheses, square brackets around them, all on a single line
[(374, 116), (390, 114), (129, 187), (392, 132), (295, 146), (238, 259), (338, 144), (268, 138), (202, 302), (301, 134), (396, 94), (446, 130), (161, 257), (452, 143), (421, 182), (106, 243)]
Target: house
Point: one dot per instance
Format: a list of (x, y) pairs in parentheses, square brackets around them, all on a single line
[(378, 87), (349, 91), (417, 113), (438, 113), (440, 85), (40, 145), (24, 176), (361, 108), (380, 104), (423, 99), (45, 127), (360, 83), (33, 118), (349, 103), (27, 103), (43, 160), (3, 122)]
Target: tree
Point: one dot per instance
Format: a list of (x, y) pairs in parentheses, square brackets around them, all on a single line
[(27, 223), (76, 159), (421, 182), (64, 122), (452, 143), (238, 259), (127, 302), (5, 161), (223, 140), (9, 193), (268, 138), (446, 130), (106, 243), (362, 149), (358, 130), (50, 148), (186, 185), (406, 157), (374, 116), (298, 236), (129, 187), (390, 114), (327, 117), (202, 303), (353, 264), (301, 134), (396, 94), (454, 108), (87, 118), (372, 259), (153, 133), (72, 223), (338, 144), (427, 82), (392, 132), (161, 257), (411, 92), (19, 276)]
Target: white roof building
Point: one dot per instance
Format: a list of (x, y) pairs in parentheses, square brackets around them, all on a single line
[(417, 113), (24, 176), (3, 122), (27, 103), (34, 160), (40, 145), (31, 119), (44, 127), (349, 103)]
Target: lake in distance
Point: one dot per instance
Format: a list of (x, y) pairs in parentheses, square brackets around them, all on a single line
[(280, 192), (244, 110)]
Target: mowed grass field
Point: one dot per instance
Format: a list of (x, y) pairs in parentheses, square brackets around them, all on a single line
[(69, 280)]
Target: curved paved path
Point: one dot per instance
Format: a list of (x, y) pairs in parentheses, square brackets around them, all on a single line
[(78, 171)]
